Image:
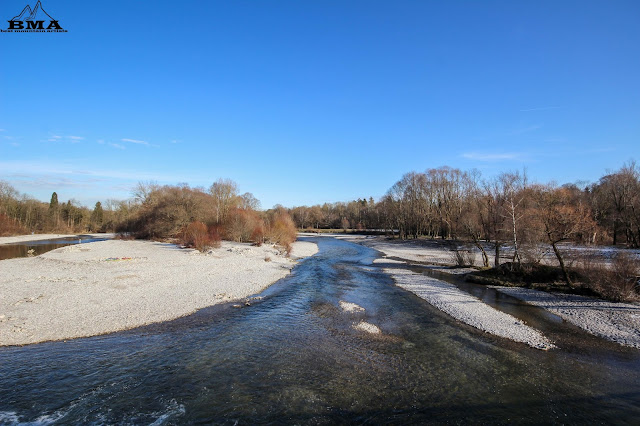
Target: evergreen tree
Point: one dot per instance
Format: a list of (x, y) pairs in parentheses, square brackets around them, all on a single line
[(54, 214), (53, 205), (97, 214)]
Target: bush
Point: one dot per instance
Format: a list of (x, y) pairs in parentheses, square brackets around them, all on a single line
[(281, 230), (242, 225), (197, 235), (615, 280), (167, 210), (463, 257)]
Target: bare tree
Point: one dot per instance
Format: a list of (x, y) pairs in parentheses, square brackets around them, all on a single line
[(474, 213), (618, 197), (561, 216), (513, 187), (224, 192), (249, 202)]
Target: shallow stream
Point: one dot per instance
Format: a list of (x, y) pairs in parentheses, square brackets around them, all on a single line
[(293, 356), (9, 251)]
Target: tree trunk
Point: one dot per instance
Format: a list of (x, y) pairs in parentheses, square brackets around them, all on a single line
[(565, 273), (497, 258), (485, 258)]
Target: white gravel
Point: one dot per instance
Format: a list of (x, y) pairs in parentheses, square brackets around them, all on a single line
[(350, 307), (424, 251), (468, 309), (367, 327), (619, 322), (96, 288)]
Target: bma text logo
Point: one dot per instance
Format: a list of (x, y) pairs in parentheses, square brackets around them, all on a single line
[(35, 20)]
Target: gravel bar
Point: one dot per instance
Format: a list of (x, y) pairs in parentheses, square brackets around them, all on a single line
[(468, 309), (619, 322)]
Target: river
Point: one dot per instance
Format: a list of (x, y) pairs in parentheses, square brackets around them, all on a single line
[(34, 248), (292, 355)]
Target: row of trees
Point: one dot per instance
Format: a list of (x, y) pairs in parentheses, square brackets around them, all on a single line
[(155, 212), (20, 213), (506, 210)]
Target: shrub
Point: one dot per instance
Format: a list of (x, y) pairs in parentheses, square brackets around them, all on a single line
[(166, 211), (462, 257), (197, 235), (242, 225), (281, 230), (615, 280)]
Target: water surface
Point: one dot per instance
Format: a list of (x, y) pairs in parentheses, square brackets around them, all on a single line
[(294, 357), (12, 250)]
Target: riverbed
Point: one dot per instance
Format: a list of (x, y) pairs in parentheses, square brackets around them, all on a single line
[(296, 354)]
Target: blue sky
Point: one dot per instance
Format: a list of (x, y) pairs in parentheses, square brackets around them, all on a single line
[(304, 102)]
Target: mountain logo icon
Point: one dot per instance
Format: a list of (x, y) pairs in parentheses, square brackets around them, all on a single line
[(34, 19)]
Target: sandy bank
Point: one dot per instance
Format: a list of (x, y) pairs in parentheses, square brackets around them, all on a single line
[(619, 322), (468, 309), (102, 287)]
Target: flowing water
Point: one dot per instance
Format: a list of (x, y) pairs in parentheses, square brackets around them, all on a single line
[(9, 251), (293, 356)]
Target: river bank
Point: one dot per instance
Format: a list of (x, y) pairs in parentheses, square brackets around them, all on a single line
[(103, 287), (617, 322)]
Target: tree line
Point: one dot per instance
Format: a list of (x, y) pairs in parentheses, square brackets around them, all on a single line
[(507, 210), (196, 217)]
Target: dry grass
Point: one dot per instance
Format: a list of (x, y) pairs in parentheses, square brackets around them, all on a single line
[(462, 257)]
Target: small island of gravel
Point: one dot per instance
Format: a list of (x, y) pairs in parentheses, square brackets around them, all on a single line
[(102, 287)]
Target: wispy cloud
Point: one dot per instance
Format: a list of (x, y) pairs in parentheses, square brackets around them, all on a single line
[(480, 156), (39, 168), (117, 145), (176, 141), (100, 141), (540, 108), (76, 138), (2, 130), (54, 138), (135, 141), (555, 139), (526, 130)]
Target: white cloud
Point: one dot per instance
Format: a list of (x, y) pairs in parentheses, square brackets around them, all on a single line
[(135, 141), (478, 156), (76, 138), (101, 141), (117, 145)]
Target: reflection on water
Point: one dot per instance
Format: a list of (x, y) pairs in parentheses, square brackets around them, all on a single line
[(294, 357), (9, 251)]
